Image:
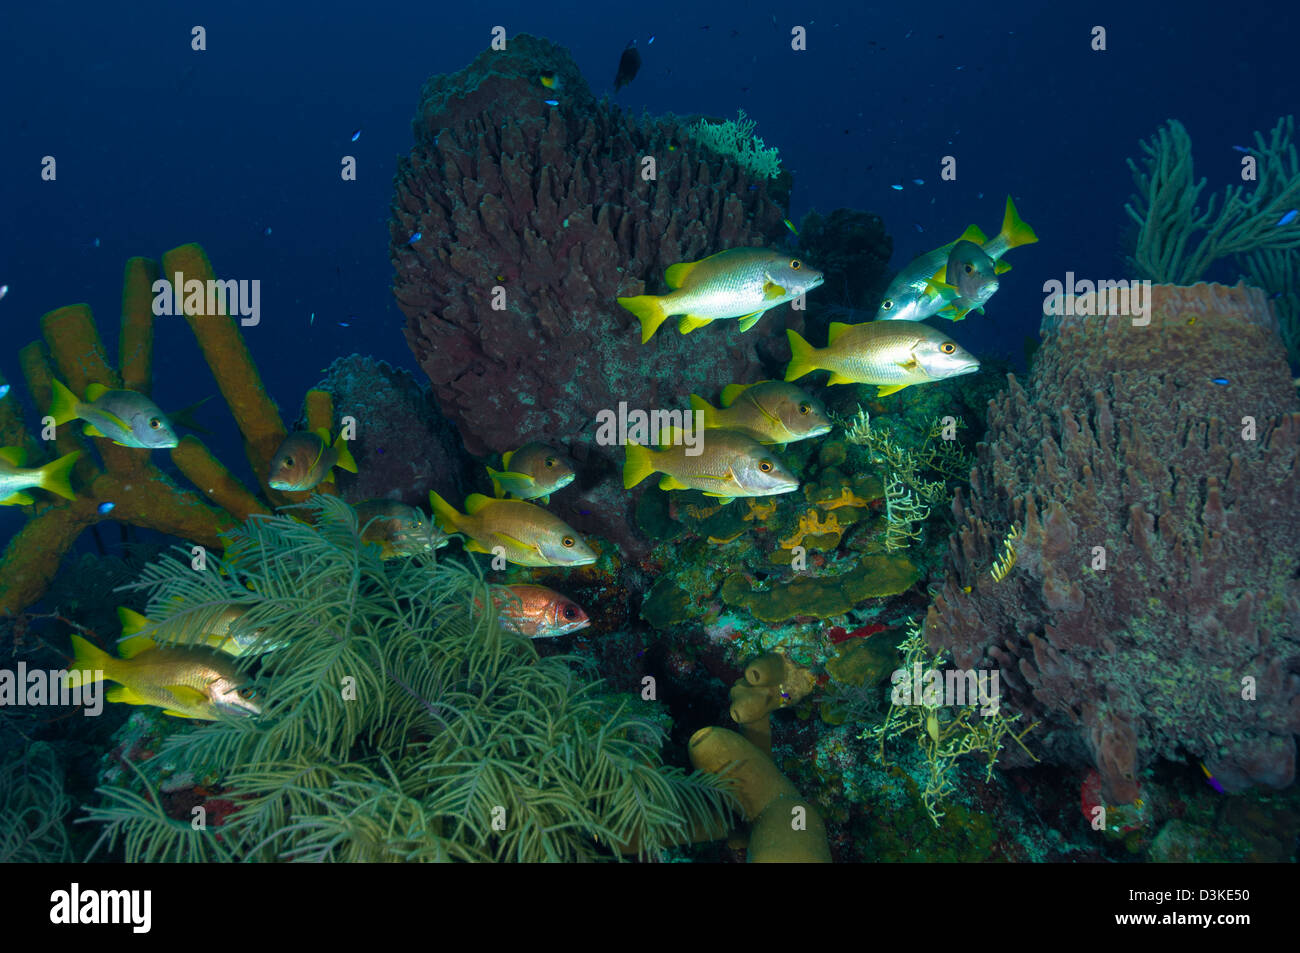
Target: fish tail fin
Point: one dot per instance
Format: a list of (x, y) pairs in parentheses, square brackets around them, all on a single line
[(803, 358), (63, 402), (701, 405), (1015, 230), (345, 455), (55, 475), (638, 465), (88, 659), (650, 312), (444, 513)]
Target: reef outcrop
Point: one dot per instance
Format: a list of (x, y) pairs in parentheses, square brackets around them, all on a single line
[(1150, 605)]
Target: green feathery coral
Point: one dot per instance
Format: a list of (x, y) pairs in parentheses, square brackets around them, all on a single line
[(1177, 242), (400, 722), (1277, 271), (736, 139), (32, 807)]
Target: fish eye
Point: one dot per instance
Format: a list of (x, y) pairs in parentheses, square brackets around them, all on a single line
[(970, 269), (570, 612), (887, 304), (154, 423), (288, 461), (947, 347), (568, 542), (766, 466), (805, 409), (796, 264), (550, 461)]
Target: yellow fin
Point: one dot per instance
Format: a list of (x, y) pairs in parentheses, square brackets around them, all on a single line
[(941, 276), (56, 475), (1001, 267), (974, 234), (475, 502), (722, 500), (689, 322), (749, 320), (131, 621), (803, 359), (90, 430), (698, 403), (130, 648), (732, 391), (637, 465), (17, 499), (345, 455), (772, 291), (124, 696), (543, 499), (88, 656), (667, 482), (94, 392), (649, 310), (835, 330), (64, 405), (1015, 231), (190, 697), (15, 456), (935, 287), (677, 274), (324, 434), (505, 459), (838, 378), (474, 546), (886, 389), (173, 713), (444, 514)]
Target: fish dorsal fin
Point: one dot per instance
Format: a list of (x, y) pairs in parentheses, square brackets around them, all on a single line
[(974, 234), (476, 502), (836, 329), (188, 696), (677, 274), (132, 622), (15, 456), (732, 391), (690, 322), (135, 645), (1001, 267), (941, 276), (94, 392), (505, 460)]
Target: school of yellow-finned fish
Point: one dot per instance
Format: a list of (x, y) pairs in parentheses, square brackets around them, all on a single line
[(187, 670)]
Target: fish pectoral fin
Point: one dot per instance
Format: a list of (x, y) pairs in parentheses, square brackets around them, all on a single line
[(513, 540), (886, 389), (123, 695), (689, 322), (749, 320), (187, 695), (772, 291), (17, 499), (1001, 268), (544, 499)]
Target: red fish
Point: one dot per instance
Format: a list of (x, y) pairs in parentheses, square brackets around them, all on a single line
[(838, 634), (536, 611)]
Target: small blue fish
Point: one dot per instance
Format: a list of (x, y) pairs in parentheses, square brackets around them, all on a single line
[(356, 135), (4, 391), (313, 318), (344, 324), (1211, 780), (415, 238), (105, 508), (95, 243), (918, 227), (551, 102), (918, 181), (790, 225), (651, 40), (4, 290), (1221, 381), (1242, 149), (1287, 219), (268, 230), (897, 188)]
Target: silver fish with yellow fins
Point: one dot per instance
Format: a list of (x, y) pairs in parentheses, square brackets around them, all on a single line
[(223, 632), (973, 274), (737, 283), (398, 529), (126, 417), (536, 612), (922, 289), (184, 682), (305, 458), (771, 412), (728, 465), (533, 472), (891, 354), (526, 534), (15, 477)]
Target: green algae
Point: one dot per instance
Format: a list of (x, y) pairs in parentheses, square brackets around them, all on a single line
[(666, 605)]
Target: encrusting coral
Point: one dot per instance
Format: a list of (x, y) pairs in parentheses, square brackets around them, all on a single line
[(139, 493), (1153, 606)]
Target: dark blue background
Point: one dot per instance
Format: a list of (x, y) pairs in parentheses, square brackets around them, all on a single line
[(158, 145)]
